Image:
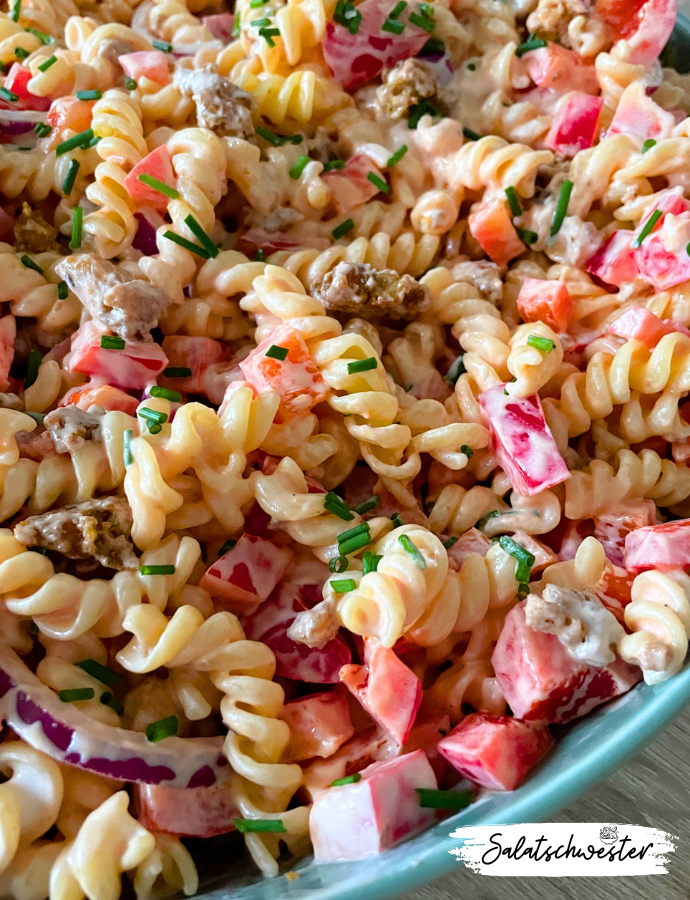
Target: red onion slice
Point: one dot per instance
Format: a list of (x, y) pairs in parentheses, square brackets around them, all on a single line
[(69, 736)]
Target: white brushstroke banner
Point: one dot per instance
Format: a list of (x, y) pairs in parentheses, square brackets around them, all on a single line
[(561, 850)]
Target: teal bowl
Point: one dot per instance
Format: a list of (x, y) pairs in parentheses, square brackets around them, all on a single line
[(585, 754)]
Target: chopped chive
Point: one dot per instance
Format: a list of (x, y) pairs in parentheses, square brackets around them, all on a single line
[(77, 222), (3, 68), (163, 728), (30, 264), (379, 183), (101, 673), (533, 43), (471, 135), (269, 136), (42, 129), (107, 699), (128, 437), (467, 450), (343, 585), (177, 372), (362, 365), (427, 10), (188, 245), (648, 144), (299, 167), (201, 236), (260, 22), (157, 570), (229, 545), (166, 394), (334, 164), (334, 504), (75, 694), (159, 186), (433, 47), (236, 26), (456, 369), (649, 225), (255, 4), (444, 799), (523, 572), (546, 345), (449, 543), (70, 178), (513, 201), (393, 26), (339, 564), (16, 10), (153, 415), (396, 157), (37, 417), (410, 547), (562, 207), (89, 95), (370, 561), (348, 779), (367, 505), (346, 15), (153, 427), (162, 45), (423, 22), (41, 35), (130, 84), (275, 352), (42, 550), (522, 591), (268, 34), (91, 142), (62, 290), (472, 67), (33, 627), (295, 139), (515, 550), (245, 826), (35, 360), (397, 520), (20, 52), (111, 342), (343, 229), (8, 95), (526, 236), (417, 110), (397, 10), (78, 140), (355, 543), (260, 256), (362, 528)]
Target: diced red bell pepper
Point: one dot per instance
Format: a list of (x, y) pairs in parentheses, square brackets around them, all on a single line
[(355, 821), (574, 126), (270, 622), (319, 725), (17, 81), (273, 241), (151, 64), (640, 324), (614, 591), (495, 751), (220, 25), (295, 379), (663, 267), (523, 441), (389, 691), (614, 262), (8, 335), (350, 186), (639, 116), (245, 576), (612, 527), (190, 812), (6, 226), (356, 58), (157, 164), (491, 226), (195, 353), (541, 680), (472, 541), (645, 24), (664, 547), (69, 113), (104, 395), (561, 70), (132, 368), (545, 301)]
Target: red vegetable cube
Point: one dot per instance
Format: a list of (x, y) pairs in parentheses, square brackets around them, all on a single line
[(195, 353), (491, 226), (355, 821), (662, 547), (220, 25), (245, 576), (132, 368), (640, 324), (190, 812), (151, 64), (104, 395), (613, 526), (17, 81), (541, 680), (389, 691), (615, 262), (8, 335), (545, 301), (350, 187), (639, 116), (157, 165), (574, 126), (660, 261), (319, 725), (472, 541), (69, 113), (560, 70), (495, 751), (645, 24), (295, 379)]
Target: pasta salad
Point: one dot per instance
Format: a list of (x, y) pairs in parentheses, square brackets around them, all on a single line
[(344, 425)]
